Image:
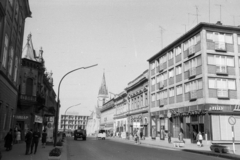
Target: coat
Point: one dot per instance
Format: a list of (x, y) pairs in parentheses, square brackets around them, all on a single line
[(8, 140), (28, 138)]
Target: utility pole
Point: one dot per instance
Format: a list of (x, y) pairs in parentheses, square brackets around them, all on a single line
[(220, 6), (162, 30)]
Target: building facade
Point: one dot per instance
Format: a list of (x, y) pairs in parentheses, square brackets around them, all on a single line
[(93, 124), (195, 84), (107, 113), (36, 97), (12, 22), (120, 115), (138, 108), (73, 122)]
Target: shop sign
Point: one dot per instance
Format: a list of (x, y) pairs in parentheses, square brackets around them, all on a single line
[(38, 119), (216, 108), (21, 117), (236, 108), (136, 124)]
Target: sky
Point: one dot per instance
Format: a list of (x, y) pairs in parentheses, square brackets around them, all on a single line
[(117, 35)]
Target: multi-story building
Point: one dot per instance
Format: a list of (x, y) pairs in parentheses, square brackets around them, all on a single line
[(107, 113), (120, 115), (36, 97), (195, 84), (73, 122), (12, 21), (138, 108)]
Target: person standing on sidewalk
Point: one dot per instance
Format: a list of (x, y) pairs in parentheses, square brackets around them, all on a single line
[(44, 138), (18, 136), (36, 136), (200, 138), (138, 136), (169, 137), (28, 140), (8, 140)]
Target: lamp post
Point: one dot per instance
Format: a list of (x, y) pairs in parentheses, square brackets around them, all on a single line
[(65, 115), (57, 111)]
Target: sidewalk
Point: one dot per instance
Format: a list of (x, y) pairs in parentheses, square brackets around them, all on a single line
[(189, 147), (18, 152)]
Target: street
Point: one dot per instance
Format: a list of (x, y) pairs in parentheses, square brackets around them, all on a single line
[(93, 149)]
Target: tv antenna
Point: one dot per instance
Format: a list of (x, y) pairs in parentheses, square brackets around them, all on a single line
[(220, 7)]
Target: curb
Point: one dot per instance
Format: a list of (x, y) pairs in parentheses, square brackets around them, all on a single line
[(210, 153)]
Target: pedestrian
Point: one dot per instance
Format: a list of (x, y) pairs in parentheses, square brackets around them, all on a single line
[(8, 140), (44, 138), (138, 136), (141, 134), (28, 140), (180, 136), (15, 136), (36, 135), (169, 137), (18, 136), (200, 138)]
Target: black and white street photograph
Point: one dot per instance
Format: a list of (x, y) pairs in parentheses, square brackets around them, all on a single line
[(119, 79)]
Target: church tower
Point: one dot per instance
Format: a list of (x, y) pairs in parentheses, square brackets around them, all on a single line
[(103, 92)]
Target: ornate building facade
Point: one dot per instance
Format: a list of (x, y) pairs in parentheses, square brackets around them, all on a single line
[(12, 23)]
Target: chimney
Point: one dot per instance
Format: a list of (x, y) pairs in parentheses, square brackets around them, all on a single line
[(219, 23)]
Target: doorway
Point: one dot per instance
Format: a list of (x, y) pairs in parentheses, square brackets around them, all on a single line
[(195, 130), (20, 126)]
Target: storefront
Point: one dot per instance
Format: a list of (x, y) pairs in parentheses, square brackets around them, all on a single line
[(138, 121), (22, 124), (210, 119)]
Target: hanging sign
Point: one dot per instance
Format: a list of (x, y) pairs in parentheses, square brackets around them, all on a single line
[(38, 119)]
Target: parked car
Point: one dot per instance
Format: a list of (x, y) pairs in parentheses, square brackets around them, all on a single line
[(101, 134)]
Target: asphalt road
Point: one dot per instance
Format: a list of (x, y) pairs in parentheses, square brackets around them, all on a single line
[(93, 149)]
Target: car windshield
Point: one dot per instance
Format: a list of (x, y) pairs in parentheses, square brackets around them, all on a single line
[(101, 131)]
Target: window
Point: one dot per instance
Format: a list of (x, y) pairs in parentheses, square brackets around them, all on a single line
[(4, 61), (192, 41), (29, 87), (220, 37), (178, 50), (153, 81), (171, 92), (16, 10), (158, 95), (153, 65), (158, 78), (10, 61), (218, 83), (195, 62), (15, 69), (163, 59), (170, 55), (221, 60), (170, 73), (165, 94), (157, 63), (179, 89), (178, 69), (153, 97), (165, 76), (193, 85), (238, 39)]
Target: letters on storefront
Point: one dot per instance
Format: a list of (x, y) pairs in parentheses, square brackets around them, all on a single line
[(215, 108), (22, 117)]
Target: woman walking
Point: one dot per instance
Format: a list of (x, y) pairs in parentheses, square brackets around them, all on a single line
[(8, 140), (18, 136), (44, 138)]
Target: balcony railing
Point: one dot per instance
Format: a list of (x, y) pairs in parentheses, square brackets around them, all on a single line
[(28, 98)]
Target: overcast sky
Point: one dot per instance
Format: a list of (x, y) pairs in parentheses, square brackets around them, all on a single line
[(118, 35)]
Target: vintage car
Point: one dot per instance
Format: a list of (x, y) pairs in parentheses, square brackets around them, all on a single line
[(101, 134)]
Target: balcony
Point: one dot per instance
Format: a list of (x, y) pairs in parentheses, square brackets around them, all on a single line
[(221, 70), (220, 46), (191, 51), (193, 95), (192, 73), (28, 98), (222, 93)]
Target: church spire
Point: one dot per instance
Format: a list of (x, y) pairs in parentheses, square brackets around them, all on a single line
[(103, 92)]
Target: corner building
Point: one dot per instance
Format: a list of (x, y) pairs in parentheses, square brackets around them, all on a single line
[(194, 85)]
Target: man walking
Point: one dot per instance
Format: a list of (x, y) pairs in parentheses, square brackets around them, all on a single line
[(36, 136), (28, 140)]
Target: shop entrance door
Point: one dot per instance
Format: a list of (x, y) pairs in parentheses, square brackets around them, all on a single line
[(195, 129), (20, 126)]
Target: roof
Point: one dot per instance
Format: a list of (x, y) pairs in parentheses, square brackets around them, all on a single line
[(29, 52), (103, 92), (190, 32)]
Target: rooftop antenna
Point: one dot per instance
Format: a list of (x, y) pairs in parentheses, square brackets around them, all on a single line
[(197, 13), (220, 6), (185, 27), (162, 30)]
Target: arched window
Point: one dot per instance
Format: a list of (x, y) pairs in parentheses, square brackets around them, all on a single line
[(29, 87)]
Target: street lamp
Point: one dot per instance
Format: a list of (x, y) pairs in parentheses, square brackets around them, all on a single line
[(57, 111), (65, 115)]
